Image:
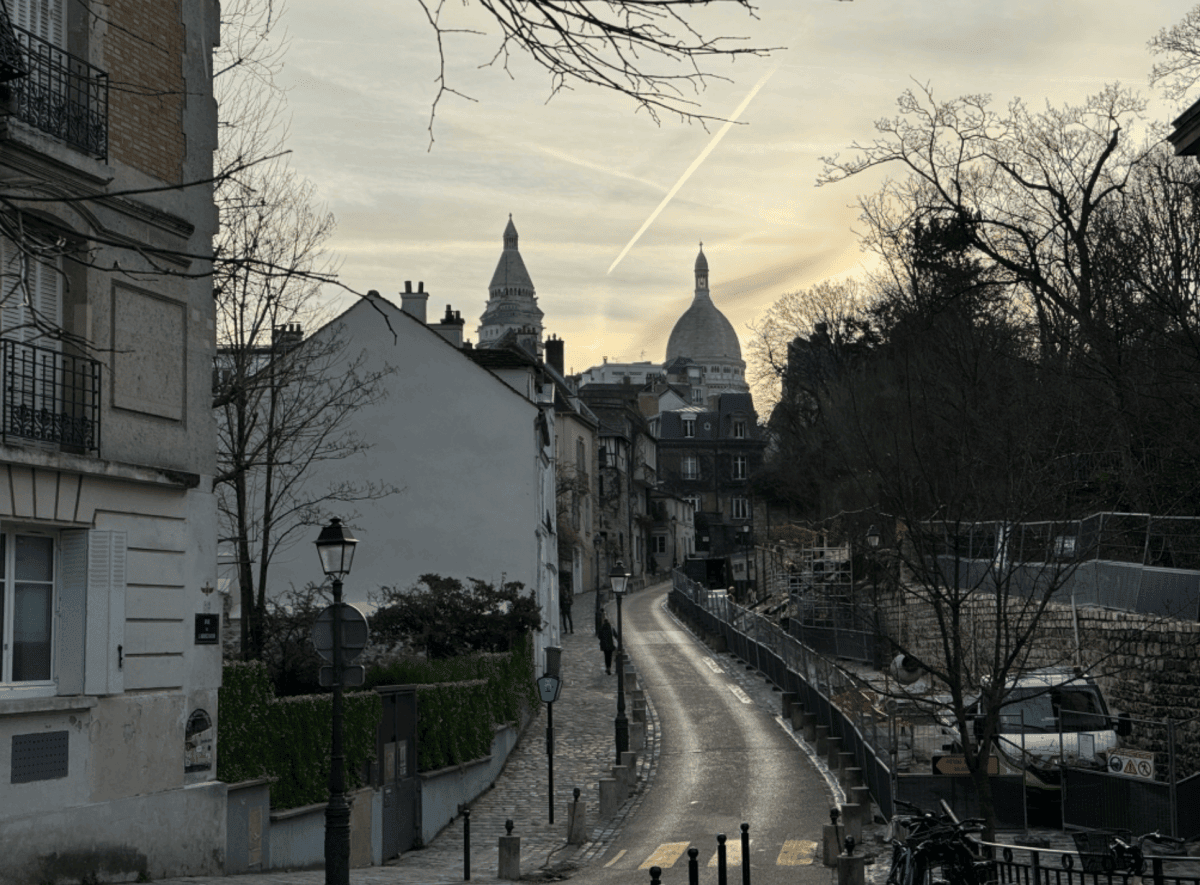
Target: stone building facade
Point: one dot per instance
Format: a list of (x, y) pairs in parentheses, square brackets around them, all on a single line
[(111, 658)]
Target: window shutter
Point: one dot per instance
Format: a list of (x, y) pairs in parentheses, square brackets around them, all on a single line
[(105, 612), (12, 308), (71, 613), (45, 293), (43, 17)]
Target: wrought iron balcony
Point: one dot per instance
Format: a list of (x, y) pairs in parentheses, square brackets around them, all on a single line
[(49, 397), (61, 95)]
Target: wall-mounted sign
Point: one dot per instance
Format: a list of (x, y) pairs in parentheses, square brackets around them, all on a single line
[(198, 742), (1131, 763), (208, 629)]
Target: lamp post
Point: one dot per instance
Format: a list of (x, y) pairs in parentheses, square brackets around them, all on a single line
[(599, 608), (335, 546), (745, 533), (618, 577)]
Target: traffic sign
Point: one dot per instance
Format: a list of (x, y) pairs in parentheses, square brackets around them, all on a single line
[(354, 633), (956, 765), (351, 676)]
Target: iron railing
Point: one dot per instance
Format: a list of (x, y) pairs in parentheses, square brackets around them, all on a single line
[(62, 95), (49, 397)]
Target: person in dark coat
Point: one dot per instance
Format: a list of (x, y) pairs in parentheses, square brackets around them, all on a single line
[(565, 597), (606, 643)]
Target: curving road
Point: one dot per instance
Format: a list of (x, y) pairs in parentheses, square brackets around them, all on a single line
[(723, 760)]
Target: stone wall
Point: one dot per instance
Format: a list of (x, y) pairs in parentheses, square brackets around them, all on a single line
[(1148, 667)]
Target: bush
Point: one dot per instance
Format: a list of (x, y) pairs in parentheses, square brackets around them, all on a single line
[(461, 701), (288, 739)]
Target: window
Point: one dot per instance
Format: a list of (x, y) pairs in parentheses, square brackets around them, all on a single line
[(689, 467), (694, 501), (739, 508), (739, 428), (27, 576), (658, 544), (697, 395), (689, 427), (739, 466)]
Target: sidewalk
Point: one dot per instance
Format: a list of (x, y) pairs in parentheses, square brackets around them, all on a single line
[(584, 751)]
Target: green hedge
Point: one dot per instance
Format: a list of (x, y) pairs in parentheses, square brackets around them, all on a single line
[(288, 738), (461, 701)]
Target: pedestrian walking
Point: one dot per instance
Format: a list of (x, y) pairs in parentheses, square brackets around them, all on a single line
[(565, 597), (606, 643)]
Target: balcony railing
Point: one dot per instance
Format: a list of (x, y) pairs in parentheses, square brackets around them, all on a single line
[(62, 95), (49, 397)]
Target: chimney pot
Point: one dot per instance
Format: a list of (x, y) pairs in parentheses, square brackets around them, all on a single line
[(408, 285), (420, 285)]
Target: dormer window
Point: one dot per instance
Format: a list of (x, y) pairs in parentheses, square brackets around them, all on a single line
[(689, 427), (739, 428)]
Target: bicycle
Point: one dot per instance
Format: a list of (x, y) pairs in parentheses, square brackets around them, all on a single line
[(1130, 857), (937, 850)]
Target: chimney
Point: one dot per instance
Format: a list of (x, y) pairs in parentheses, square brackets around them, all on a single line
[(451, 327), (554, 354), (413, 303), (285, 337)]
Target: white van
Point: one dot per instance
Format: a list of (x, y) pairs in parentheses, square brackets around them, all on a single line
[(1052, 716)]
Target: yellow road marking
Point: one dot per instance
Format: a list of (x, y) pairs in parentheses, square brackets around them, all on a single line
[(620, 854), (733, 852), (665, 855), (796, 853)]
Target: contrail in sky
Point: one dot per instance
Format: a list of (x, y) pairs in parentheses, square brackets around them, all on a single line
[(708, 149)]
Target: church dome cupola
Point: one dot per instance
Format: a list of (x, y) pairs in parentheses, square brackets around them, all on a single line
[(512, 301)]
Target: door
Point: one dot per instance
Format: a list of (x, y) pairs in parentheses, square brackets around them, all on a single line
[(397, 749)]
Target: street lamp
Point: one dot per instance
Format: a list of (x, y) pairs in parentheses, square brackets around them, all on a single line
[(873, 537), (618, 578), (335, 546), (599, 609)]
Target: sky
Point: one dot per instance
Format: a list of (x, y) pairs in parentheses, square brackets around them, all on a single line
[(582, 172)]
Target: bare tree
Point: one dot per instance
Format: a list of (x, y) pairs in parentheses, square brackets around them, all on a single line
[(646, 50)]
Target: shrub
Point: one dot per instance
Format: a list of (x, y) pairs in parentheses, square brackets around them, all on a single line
[(288, 739)]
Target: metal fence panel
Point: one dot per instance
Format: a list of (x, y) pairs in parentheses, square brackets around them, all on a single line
[(1098, 800), (926, 791)]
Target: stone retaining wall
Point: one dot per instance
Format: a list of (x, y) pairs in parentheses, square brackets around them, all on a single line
[(1148, 667)]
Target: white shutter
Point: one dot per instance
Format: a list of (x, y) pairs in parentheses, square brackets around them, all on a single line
[(105, 613), (70, 623), (43, 17), (12, 307), (42, 290)]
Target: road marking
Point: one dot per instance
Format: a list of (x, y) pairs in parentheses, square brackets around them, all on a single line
[(796, 853), (712, 665), (620, 854), (665, 855), (733, 853), (740, 695)]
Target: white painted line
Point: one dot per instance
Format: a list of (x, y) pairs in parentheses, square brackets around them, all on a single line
[(740, 695), (713, 665)]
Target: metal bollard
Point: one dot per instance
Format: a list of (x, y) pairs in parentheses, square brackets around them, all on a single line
[(693, 866), (655, 875), (745, 854), (466, 845), (722, 876)]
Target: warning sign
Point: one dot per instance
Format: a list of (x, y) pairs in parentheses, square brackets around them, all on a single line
[(1131, 763)]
